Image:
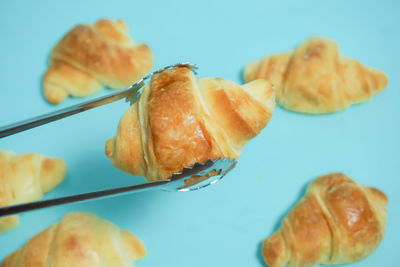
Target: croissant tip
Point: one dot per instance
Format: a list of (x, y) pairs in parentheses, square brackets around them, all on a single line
[(54, 94), (109, 149), (249, 71), (385, 81), (379, 194), (8, 223), (273, 251)]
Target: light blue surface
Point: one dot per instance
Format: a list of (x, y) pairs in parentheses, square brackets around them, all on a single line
[(224, 224)]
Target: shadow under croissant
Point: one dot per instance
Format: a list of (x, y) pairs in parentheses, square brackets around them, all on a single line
[(284, 214), (277, 225), (259, 256), (241, 76)]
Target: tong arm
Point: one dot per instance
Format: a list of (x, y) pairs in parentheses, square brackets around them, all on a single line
[(15, 209), (68, 111)]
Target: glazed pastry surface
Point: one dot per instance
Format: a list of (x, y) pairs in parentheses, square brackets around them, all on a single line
[(79, 239), (337, 221), (180, 120), (90, 57), (315, 79)]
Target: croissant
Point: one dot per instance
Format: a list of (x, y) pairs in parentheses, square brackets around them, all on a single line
[(79, 239), (90, 57), (180, 120), (315, 79), (337, 221), (25, 178)]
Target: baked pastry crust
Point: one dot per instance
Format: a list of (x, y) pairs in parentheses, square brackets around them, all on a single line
[(90, 57), (337, 221), (180, 120), (79, 239), (25, 178), (316, 79)]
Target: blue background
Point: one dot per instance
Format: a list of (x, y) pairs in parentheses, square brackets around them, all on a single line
[(224, 224)]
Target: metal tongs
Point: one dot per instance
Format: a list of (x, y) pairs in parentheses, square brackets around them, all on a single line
[(189, 179)]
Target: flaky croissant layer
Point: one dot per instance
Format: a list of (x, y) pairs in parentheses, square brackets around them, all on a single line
[(79, 239), (314, 78), (90, 57), (337, 221), (180, 120)]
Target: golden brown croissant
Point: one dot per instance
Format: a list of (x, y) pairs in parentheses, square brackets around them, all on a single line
[(338, 221), (315, 79), (79, 239), (90, 57), (180, 120), (25, 178)]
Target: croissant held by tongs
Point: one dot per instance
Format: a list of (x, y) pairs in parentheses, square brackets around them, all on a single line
[(183, 134), (181, 119)]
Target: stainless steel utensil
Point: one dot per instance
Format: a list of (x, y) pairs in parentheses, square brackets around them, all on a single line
[(131, 95), (176, 182), (189, 179)]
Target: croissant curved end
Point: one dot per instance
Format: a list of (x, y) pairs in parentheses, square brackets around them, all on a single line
[(110, 145), (54, 93), (249, 70), (274, 251)]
